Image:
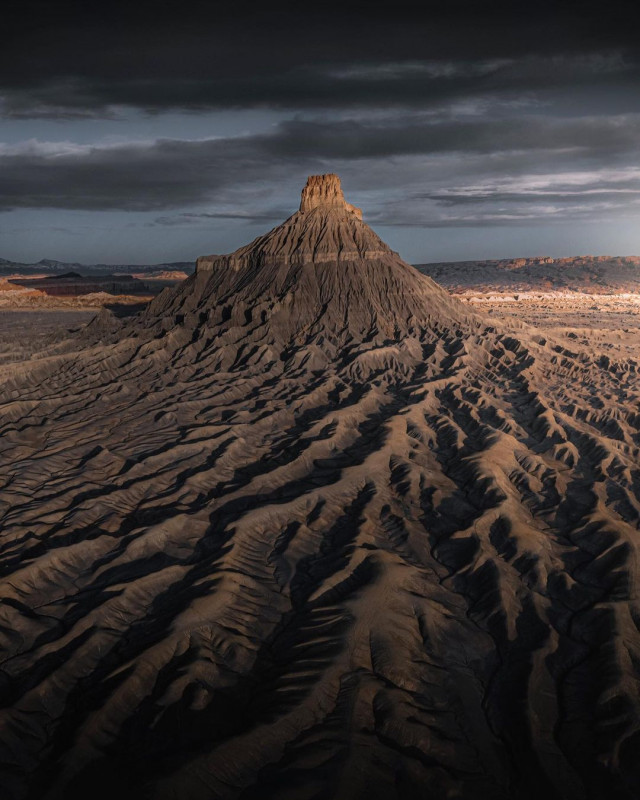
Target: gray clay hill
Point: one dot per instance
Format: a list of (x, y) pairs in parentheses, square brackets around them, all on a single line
[(306, 528)]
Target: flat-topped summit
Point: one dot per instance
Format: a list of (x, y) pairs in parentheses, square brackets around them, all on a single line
[(325, 228), (325, 191)]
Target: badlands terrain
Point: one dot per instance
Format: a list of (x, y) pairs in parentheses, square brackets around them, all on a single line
[(588, 274), (310, 527), (39, 310)]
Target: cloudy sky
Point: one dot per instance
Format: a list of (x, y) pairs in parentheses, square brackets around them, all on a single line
[(464, 129)]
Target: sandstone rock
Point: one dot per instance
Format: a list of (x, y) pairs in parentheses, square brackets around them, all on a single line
[(325, 190), (325, 229)]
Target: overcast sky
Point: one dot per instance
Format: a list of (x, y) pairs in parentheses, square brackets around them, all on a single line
[(140, 134)]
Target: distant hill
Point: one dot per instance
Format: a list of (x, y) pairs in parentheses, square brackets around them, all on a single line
[(63, 276), (73, 284), (593, 274), (47, 266)]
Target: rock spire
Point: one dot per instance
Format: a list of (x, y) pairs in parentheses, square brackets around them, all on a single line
[(325, 191)]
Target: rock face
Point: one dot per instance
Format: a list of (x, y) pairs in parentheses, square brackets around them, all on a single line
[(325, 229), (306, 529), (325, 191)]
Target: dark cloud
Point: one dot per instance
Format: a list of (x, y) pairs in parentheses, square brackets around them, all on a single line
[(163, 175), (438, 115), (181, 220), (65, 59), (587, 198), (422, 84), (172, 174), (410, 136)]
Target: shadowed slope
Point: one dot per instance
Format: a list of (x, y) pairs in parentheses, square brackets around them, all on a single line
[(308, 529)]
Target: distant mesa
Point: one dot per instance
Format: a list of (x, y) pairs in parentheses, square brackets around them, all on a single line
[(73, 284), (593, 274), (47, 266), (62, 276)]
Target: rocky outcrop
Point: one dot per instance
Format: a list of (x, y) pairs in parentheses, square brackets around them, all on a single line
[(326, 191)]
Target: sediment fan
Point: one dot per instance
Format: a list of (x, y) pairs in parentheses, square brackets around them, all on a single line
[(307, 528)]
